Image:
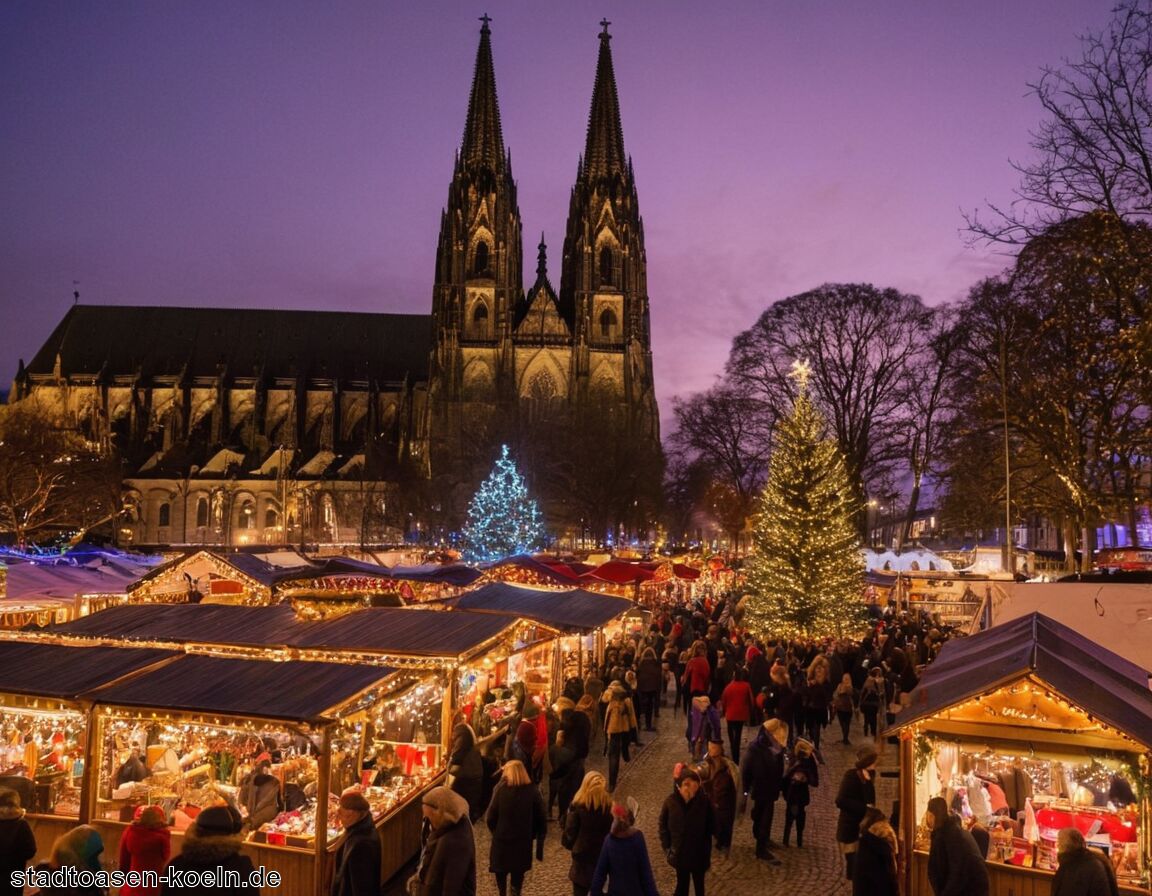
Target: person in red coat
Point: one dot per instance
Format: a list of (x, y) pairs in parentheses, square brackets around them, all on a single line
[(145, 845), (738, 703), (697, 673)]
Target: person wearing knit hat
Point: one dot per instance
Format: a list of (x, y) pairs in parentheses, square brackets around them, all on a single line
[(448, 862), (213, 841), (145, 845), (800, 776), (358, 857), (622, 858), (857, 792)]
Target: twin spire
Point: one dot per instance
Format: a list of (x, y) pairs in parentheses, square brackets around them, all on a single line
[(483, 144)]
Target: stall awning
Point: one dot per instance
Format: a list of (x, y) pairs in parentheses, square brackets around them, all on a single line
[(201, 623), (546, 571), (569, 611), (620, 572), (1105, 685), (290, 691), (406, 632), (53, 670)]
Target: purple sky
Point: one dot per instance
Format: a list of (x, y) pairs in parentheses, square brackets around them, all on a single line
[(297, 154)]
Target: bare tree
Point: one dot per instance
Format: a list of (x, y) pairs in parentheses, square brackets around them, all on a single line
[(1093, 148), (861, 343), (51, 479)]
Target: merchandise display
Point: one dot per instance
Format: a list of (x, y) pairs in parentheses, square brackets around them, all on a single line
[(42, 758)]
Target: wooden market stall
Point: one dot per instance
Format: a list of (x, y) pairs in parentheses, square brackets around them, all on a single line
[(583, 620), (44, 724), (209, 576), (1060, 725)]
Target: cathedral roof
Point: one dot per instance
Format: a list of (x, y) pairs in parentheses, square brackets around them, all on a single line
[(127, 341), (604, 151), (483, 140), (538, 317)]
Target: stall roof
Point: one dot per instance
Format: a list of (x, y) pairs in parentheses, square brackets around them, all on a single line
[(621, 572), (410, 632), (204, 623), (250, 565), (288, 691), (546, 570), (53, 670), (571, 611), (454, 574), (1092, 677)]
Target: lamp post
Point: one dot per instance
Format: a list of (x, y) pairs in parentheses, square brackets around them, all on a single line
[(1009, 553)]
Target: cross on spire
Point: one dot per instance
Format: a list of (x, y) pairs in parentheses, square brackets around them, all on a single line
[(485, 19), (604, 23)]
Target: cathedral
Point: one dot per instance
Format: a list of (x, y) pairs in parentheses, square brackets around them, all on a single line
[(261, 426)]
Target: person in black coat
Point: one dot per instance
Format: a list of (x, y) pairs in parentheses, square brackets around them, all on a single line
[(1082, 871), (955, 866), (213, 842), (466, 769), (588, 823), (649, 682), (516, 818), (761, 775), (448, 861), (857, 792), (800, 776), (358, 857), (687, 824), (17, 842), (876, 873)]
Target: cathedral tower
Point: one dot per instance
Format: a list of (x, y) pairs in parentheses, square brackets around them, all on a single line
[(604, 283), (478, 281)]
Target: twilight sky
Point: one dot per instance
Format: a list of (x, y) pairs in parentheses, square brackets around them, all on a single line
[(294, 154)]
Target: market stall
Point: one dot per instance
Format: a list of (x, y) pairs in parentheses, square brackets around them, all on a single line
[(1027, 728), (200, 729), (582, 619), (207, 576), (44, 729)]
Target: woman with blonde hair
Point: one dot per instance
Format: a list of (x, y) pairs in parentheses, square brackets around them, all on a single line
[(589, 820), (516, 818)]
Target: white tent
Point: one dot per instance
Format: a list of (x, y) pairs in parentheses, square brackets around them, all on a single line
[(917, 560)]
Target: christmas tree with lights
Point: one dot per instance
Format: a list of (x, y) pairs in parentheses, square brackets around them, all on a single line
[(807, 573), (502, 519)]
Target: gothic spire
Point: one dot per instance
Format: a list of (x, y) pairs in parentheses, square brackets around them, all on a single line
[(483, 141), (604, 152), (541, 258)]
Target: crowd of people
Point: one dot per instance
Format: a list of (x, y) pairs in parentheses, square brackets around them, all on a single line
[(718, 681)]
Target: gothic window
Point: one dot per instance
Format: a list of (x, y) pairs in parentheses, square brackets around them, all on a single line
[(480, 260), (480, 319), (607, 323), (540, 395), (202, 512), (248, 515), (606, 278), (165, 515), (270, 518)]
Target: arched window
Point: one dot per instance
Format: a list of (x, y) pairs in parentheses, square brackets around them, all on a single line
[(165, 516), (607, 323), (480, 261), (202, 512), (270, 518), (248, 515), (606, 278)]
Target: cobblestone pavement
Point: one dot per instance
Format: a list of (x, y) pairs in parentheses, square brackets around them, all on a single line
[(815, 870)]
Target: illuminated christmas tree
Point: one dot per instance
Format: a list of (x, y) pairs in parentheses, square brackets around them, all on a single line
[(806, 575), (502, 519)]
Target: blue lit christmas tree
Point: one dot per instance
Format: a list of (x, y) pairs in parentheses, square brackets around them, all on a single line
[(502, 519)]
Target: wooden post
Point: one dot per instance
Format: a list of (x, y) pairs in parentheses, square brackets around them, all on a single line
[(323, 785), (448, 707), (907, 791), (90, 780)]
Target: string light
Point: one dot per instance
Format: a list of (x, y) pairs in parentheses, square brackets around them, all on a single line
[(502, 519)]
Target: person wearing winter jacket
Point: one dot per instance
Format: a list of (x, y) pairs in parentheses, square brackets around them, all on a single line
[(260, 795), (145, 845), (466, 768), (213, 841), (17, 842), (738, 703), (448, 862), (844, 704), (955, 866), (798, 778), (588, 822), (624, 863), (619, 722), (703, 725), (872, 700), (857, 792), (1082, 871), (516, 818), (761, 776), (358, 857), (876, 865), (687, 824), (720, 781), (649, 681)]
